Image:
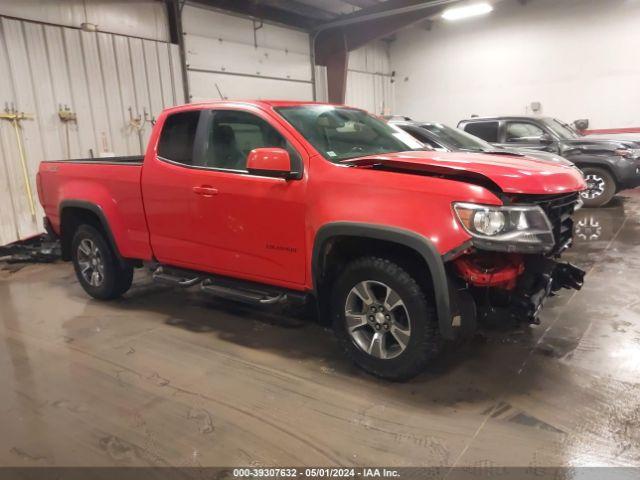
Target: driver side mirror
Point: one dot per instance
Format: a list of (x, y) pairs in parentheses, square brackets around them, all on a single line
[(270, 162), (546, 139)]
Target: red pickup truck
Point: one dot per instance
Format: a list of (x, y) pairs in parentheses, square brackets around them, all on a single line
[(399, 247)]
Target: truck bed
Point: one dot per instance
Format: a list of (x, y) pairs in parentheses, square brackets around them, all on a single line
[(127, 159), (110, 184)]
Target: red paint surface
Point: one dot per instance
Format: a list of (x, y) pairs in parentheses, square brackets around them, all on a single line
[(263, 229), (276, 159)]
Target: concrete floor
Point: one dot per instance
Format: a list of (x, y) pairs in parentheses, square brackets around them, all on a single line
[(167, 378)]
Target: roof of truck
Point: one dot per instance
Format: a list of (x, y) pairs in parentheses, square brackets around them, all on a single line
[(257, 103)]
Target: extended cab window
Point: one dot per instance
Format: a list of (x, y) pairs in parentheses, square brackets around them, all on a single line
[(488, 131), (523, 132), (232, 134), (177, 137)]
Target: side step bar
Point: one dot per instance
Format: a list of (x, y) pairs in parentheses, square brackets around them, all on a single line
[(160, 276), (233, 289), (242, 295)]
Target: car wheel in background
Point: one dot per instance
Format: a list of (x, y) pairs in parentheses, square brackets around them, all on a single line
[(601, 187)]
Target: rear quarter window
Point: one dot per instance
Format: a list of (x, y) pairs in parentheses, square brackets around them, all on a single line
[(488, 131), (177, 137)]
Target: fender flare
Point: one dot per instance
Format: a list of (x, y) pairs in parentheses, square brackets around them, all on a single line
[(420, 244), (98, 212), (611, 163)]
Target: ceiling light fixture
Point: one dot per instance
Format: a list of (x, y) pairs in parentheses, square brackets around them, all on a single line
[(472, 10)]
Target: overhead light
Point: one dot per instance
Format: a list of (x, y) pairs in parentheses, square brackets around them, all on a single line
[(473, 10)]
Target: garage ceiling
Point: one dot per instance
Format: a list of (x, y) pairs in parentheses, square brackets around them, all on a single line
[(327, 9), (306, 14)]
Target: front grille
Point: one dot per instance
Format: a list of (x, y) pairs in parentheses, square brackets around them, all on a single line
[(559, 209)]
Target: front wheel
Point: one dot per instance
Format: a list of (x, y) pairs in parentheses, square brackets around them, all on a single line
[(96, 266), (383, 319), (601, 187)]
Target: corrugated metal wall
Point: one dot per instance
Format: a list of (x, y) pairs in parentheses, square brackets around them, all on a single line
[(109, 81), (139, 18), (369, 80), (116, 83), (244, 58)]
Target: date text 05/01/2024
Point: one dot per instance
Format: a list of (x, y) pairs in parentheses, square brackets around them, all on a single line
[(315, 473)]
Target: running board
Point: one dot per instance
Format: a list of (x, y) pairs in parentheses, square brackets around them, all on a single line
[(159, 275), (242, 295), (233, 289)]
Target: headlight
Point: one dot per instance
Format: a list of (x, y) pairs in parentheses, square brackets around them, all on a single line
[(506, 228), (628, 152)]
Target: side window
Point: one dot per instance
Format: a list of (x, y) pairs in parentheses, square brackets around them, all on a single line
[(177, 137), (232, 135), (523, 132), (488, 131)]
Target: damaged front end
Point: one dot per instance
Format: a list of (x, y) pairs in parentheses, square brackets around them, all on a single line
[(503, 279)]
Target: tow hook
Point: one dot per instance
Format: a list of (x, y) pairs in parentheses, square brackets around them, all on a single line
[(569, 276)]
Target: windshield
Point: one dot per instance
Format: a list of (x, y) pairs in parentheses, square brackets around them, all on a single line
[(341, 133), (561, 129), (457, 139)]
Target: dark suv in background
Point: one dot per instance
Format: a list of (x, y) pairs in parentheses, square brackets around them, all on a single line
[(609, 165), (448, 139)]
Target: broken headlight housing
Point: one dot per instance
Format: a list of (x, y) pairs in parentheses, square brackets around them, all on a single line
[(524, 229)]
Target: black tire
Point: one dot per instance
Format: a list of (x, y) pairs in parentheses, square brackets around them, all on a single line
[(424, 341), (115, 278), (603, 187)]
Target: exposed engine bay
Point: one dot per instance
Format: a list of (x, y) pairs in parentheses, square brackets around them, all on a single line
[(508, 289)]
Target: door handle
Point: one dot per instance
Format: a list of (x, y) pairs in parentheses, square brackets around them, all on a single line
[(205, 190)]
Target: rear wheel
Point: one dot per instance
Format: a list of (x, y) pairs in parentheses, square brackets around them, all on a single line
[(601, 187), (96, 266), (383, 319)]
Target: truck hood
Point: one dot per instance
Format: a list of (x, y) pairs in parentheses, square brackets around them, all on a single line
[(618, 137), (511, 174), (599, 144), (540, 155)]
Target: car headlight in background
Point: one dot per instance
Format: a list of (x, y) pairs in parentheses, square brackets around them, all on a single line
[(506, 228), (628, 152)]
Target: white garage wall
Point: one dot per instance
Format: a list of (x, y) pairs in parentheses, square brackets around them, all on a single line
[(223, 53), (101, 77), (579, 58)]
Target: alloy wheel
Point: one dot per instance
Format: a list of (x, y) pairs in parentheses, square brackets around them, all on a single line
[(595, 186), (90, 262), (377, 319)]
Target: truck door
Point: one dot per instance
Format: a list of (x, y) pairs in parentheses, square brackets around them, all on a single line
[(240, 224), (167, 182)]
